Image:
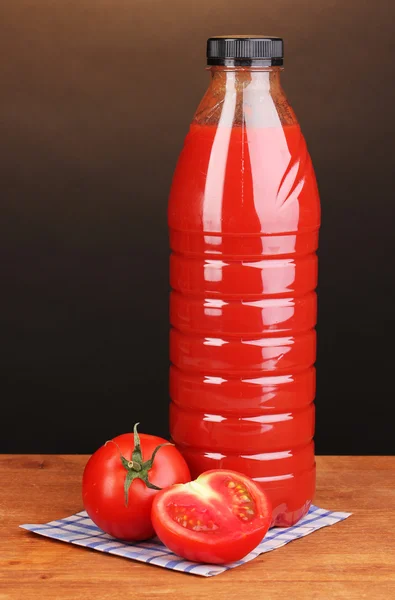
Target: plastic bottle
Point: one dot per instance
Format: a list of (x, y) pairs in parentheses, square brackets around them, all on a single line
[(243, 218)]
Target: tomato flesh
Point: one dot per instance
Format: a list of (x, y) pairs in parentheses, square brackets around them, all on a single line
[(218, 518), (191, 518)]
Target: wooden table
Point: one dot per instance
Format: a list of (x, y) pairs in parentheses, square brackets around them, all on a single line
[(354, 559)]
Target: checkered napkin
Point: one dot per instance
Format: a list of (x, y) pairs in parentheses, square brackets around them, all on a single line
[(79, 529)]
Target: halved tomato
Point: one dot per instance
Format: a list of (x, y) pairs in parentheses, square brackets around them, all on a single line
[(218, 518)]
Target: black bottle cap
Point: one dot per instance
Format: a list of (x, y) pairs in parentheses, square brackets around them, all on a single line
[(245, 50)]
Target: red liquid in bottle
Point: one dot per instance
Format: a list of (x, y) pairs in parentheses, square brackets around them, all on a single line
[(244, 218)]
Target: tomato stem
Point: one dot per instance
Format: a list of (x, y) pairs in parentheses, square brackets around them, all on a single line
[(135, 467)]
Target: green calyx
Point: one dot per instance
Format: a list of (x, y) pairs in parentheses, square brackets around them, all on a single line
[(136, 468)]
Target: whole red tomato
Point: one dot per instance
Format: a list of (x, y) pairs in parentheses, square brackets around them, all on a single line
[(122, 478), (218, 518)]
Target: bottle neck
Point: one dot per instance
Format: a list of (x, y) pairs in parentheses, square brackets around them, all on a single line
[(239, 78), (245, 95)]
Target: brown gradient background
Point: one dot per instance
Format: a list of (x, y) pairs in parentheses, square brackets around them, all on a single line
[(95, 99)]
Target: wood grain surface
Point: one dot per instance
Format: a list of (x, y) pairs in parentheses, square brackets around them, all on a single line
[(354, 559)]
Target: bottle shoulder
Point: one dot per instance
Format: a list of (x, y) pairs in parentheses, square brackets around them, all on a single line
[(244, 180)]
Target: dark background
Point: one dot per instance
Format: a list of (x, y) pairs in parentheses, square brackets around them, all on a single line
[(95, 99)]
